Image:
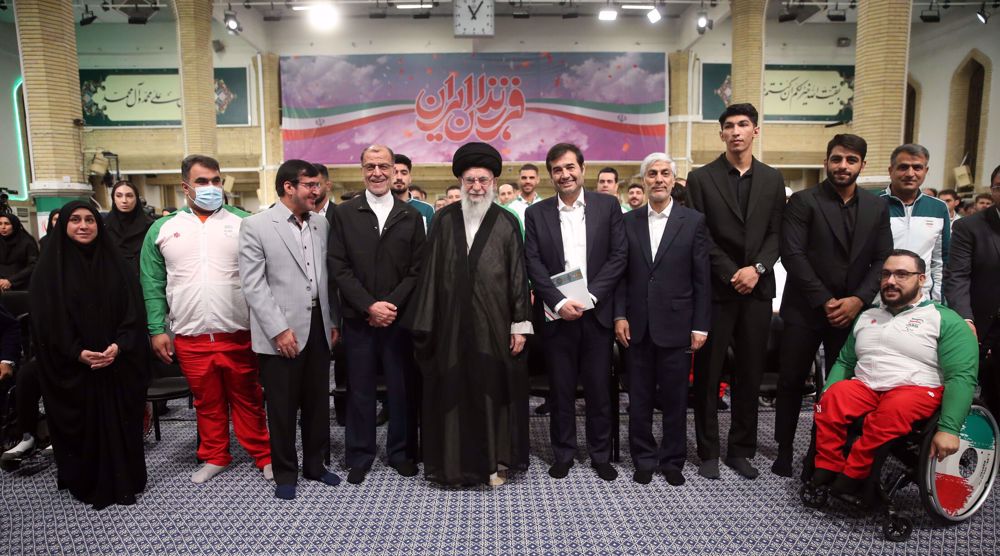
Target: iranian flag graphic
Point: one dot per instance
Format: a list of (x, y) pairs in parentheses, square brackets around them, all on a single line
[(959, 481)]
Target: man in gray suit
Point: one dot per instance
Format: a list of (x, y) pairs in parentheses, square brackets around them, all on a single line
[(292, 322)]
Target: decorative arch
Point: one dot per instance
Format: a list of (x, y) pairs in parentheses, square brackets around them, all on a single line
[(959, 116)]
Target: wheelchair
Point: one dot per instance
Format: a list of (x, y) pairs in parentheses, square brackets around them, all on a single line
[(951, 491)]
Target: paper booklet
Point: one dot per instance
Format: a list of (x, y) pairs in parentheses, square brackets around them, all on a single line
[(572, 284)]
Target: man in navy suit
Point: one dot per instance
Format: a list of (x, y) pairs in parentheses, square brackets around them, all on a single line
[(576, 229), (663, 309)]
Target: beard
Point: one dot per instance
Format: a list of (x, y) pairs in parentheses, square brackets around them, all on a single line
[(906, 296), (474, 208)]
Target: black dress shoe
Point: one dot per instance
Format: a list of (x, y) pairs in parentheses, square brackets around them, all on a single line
[(822, 477), (406, 468), (743, 467), (782, 465), (605, 471), (559, 470), (674, 477), (846, 486), (357, 476), (709, 468), (642, 476)]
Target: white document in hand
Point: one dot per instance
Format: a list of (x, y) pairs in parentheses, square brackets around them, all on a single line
[(572, 284)]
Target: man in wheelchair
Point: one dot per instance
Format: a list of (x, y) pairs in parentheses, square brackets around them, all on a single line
[(904, 359)]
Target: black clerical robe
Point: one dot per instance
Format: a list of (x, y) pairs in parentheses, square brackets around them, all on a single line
[(475, 395)]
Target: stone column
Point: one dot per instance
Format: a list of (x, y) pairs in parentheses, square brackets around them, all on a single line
[(46, 35), (880, 70), (679, 64), (274, 150), (748, 57), (194, 43)]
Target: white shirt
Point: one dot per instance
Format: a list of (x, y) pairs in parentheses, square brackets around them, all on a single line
[(471, 229), (326, 206), (303, 236), (898, 350), (573, 226), (381, 206), (519, 205), (657, 224)]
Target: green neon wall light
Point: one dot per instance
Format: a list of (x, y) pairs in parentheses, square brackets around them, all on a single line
[(22, 189)]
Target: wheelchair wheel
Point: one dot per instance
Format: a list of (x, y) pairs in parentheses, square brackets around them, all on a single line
[(897, 528), (812, 497), (953, 490)]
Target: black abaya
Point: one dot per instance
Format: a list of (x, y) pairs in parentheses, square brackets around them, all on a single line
[(475, 402), (18, 254), (84, 297), (127, 230)]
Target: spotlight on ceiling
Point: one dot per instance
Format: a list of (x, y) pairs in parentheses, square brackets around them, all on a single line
[(931, 14), (229, 20), (836, 14), (654, 15), (87, 17), (703, 22), (982, 15), (607, 14), (323, 16), (786, 14)]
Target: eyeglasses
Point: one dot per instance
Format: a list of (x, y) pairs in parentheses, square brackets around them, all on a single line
[(995, 187), (308, 185), (481, 180), (217, 180), (898, 274), (369, 168)]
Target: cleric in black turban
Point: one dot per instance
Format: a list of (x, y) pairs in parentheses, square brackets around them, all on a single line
[(469, 316), (476, 155)]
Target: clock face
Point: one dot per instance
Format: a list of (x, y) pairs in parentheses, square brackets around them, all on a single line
[(473, 18)]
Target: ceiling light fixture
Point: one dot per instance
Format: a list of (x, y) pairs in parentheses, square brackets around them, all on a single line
[(419, 6), (638, 7), (87, 17), (654, 15), (608, 13), (786, 14), (323, 16), (931, 14), (836, 14), (229, 20)]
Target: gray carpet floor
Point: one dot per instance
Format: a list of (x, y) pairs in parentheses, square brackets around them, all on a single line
[(236, 512)]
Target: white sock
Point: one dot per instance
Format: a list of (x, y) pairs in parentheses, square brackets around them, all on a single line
[(24, 446), (206, 472), (268, 472)]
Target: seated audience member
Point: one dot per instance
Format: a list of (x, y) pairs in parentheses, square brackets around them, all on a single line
[(53, 217), (18, 253), (94, 358), (127, 223), (904, 359)]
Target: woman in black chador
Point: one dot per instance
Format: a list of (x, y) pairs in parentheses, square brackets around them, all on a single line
[(18, 253), (88, 319), (127, 223)]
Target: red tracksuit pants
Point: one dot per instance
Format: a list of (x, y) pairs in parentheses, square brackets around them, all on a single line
[(890, 415), (222, 371)]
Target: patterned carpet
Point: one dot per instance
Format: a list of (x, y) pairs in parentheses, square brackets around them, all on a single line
[(533, 514)]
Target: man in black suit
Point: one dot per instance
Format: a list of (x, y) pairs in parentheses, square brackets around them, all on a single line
[(834, 239), (576, 229), (663, 309), (970, 286), (742, 200), (374, 255), (324, 203)]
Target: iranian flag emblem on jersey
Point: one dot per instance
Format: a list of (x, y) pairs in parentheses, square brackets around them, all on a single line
[(961, 478)]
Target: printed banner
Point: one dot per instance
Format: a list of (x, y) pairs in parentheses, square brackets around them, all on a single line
[(612, 105), (152, 97), (791, 93)]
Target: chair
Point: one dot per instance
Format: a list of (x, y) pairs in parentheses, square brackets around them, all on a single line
[(951, 491), (168, 384)]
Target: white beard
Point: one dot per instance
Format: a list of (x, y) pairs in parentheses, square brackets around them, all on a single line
[(473, 211)]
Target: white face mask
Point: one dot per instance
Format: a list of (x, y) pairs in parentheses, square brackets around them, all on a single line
[(208, 197)]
